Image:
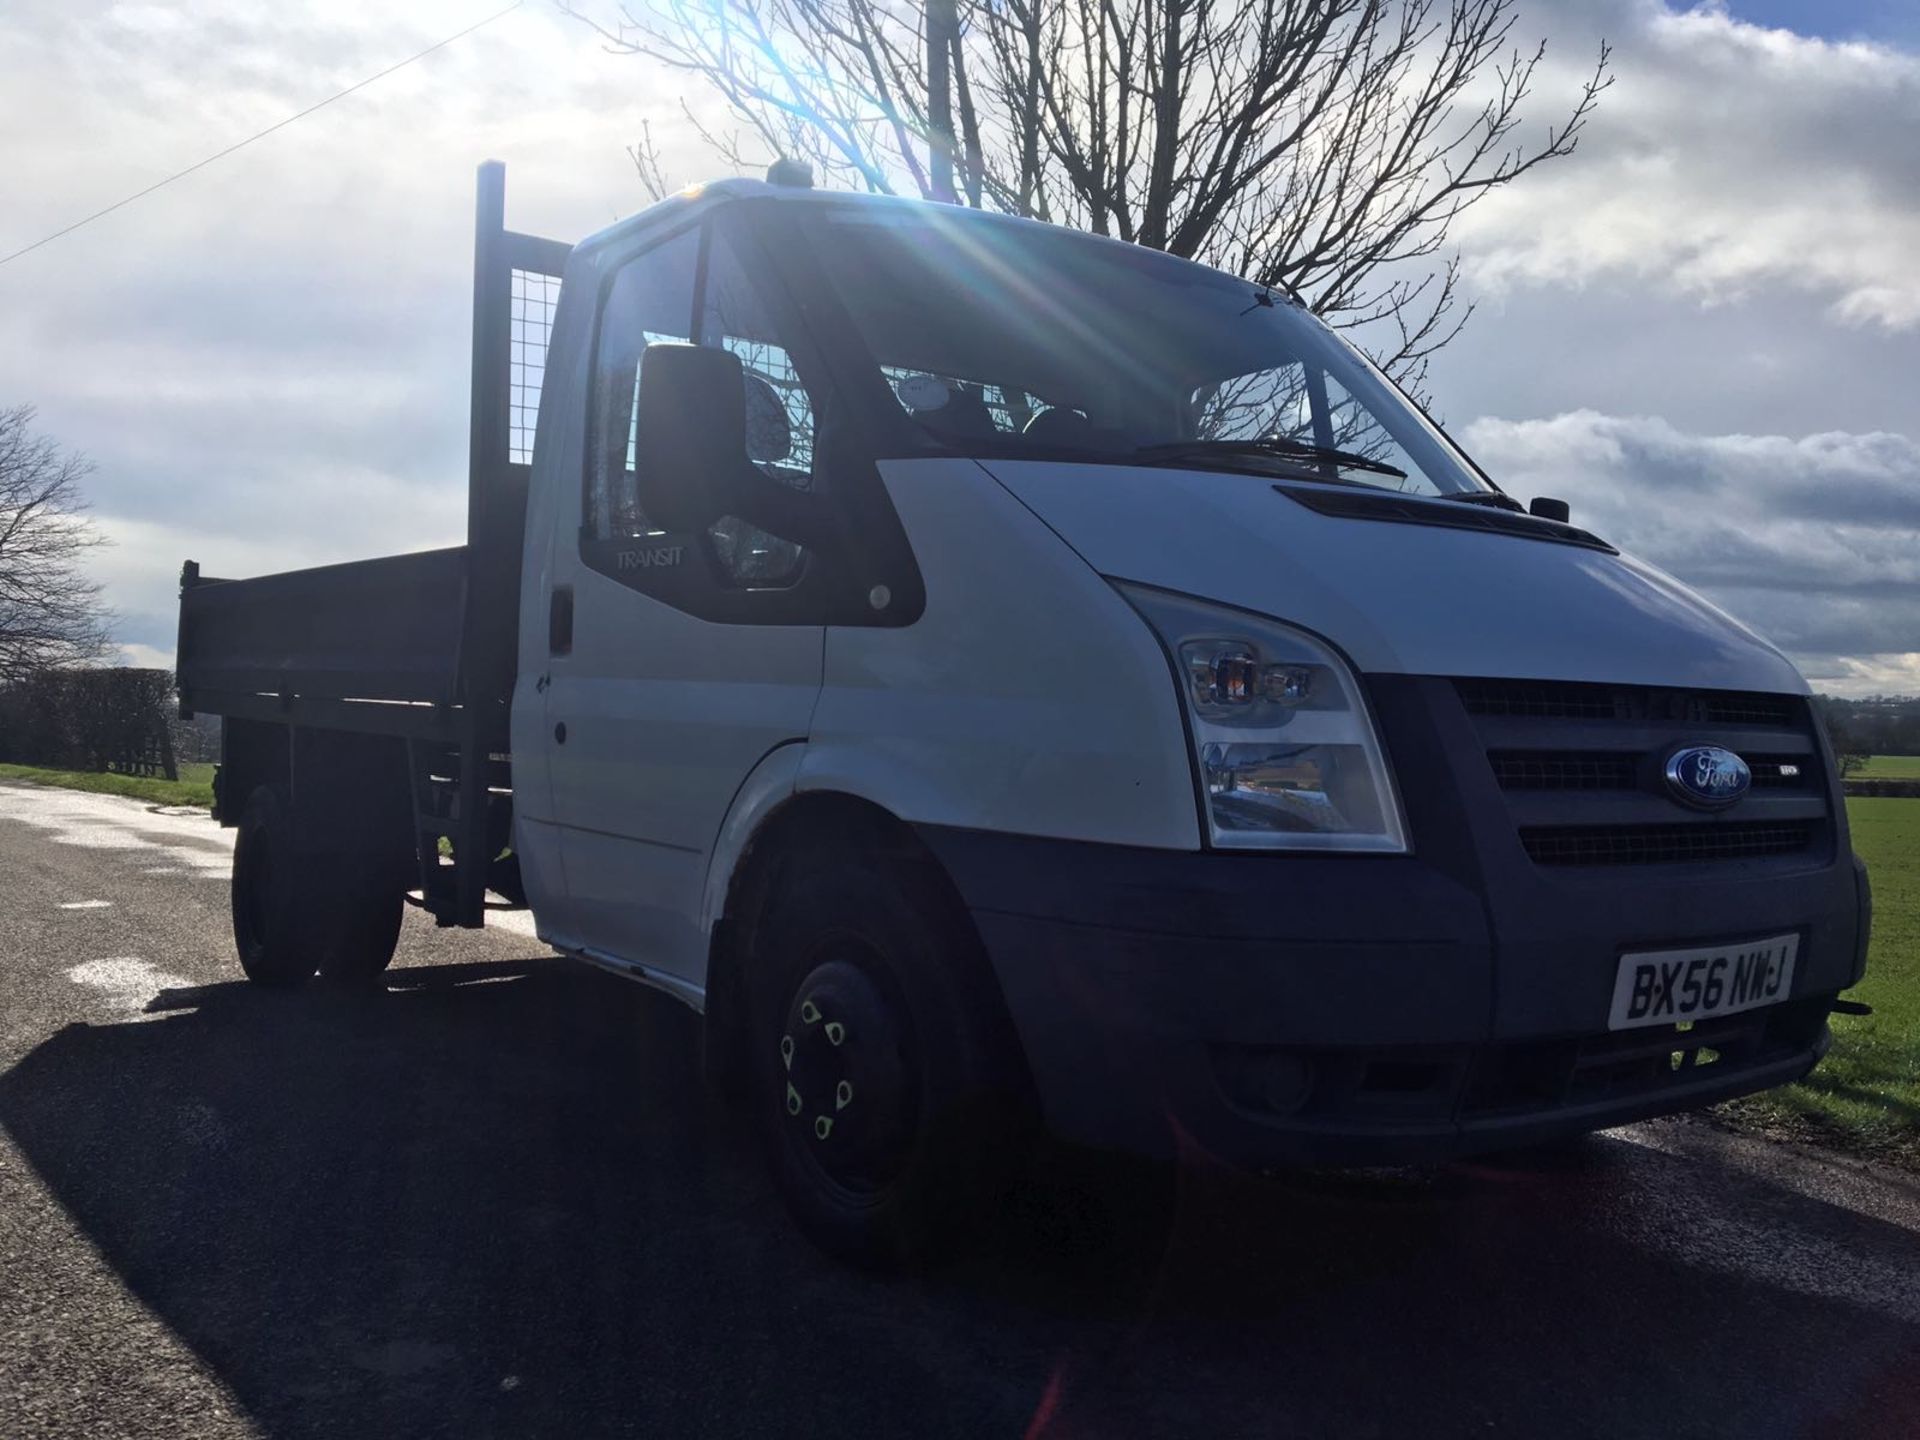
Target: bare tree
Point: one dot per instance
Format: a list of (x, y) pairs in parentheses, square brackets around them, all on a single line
[(648, 165), (1326, 146), (50, 612)]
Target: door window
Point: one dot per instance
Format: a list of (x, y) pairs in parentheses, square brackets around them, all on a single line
[(717, 284), (651, 301), (781, 418)]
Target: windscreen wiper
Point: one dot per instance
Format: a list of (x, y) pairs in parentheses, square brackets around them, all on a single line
[(1271, 445)]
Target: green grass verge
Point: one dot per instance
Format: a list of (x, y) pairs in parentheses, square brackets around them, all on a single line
[(1865, 1097), (194, 787), (1889, 767)]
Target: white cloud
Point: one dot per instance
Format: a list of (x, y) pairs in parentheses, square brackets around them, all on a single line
[(1869, 675), (146, 657), (268, 360), (1729, 159), (1815, 540)]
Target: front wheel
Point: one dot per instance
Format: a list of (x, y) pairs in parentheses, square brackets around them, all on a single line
[(885, 1079)]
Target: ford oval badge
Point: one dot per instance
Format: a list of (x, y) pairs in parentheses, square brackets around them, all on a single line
[(1707, 776)]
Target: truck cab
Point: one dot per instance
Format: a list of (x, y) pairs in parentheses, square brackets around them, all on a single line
[(1002, 677)]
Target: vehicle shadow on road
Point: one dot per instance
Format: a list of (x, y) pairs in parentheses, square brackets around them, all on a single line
[(493, 1200)]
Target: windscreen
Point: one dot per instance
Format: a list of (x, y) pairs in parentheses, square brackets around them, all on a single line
[(999, 337)]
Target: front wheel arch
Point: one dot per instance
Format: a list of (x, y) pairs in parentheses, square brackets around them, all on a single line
[(811, 823)]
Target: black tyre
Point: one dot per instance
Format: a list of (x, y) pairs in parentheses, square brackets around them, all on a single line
[(297, 911), (885, 1078), (274, 946), (356, 935)]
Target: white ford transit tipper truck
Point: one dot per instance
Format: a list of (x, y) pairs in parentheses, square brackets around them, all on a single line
[(992, 672)]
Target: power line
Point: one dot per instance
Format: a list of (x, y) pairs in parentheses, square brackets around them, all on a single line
[(261, 135)]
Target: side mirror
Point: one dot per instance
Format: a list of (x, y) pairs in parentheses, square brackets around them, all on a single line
[(692, 430), (693, 461)]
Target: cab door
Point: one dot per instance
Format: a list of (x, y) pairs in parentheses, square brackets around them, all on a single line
[(692, 655)]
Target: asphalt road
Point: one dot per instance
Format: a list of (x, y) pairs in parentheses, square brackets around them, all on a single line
[(492, 1200)]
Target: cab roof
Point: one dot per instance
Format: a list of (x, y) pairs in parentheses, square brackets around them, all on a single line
[(711, 194)]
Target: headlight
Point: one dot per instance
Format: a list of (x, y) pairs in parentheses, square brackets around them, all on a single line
[(1286, 755)]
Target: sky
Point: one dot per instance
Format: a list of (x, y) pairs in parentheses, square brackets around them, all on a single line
[(1703, 330)]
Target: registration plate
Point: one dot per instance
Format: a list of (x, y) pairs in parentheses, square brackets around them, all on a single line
[(1662, 987)]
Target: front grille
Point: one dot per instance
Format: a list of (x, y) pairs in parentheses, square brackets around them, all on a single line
[(1603, 770), (1581, 768), (1781, 772), (1662, 844), (1562, 770), (1539, 701), (1734, 709), (1572, 700)]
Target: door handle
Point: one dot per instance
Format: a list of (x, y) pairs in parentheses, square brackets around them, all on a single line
[(560, 620)]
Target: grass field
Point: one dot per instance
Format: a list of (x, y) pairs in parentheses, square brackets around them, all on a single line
[(194, 787), (1866, 1094), (1889, 767)]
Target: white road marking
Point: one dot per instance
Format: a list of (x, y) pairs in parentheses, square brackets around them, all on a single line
[(129, 983), (86, 905)]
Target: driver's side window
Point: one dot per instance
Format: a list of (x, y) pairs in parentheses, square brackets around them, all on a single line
[(651, 301), (781, 417)]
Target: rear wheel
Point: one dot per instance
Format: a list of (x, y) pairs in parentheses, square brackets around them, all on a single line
[(273, 944), (884, 1079), (358, 933), (298, 911)]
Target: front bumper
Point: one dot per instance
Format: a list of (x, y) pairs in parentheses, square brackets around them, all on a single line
[(1381, 1045), (1315, 1009)]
